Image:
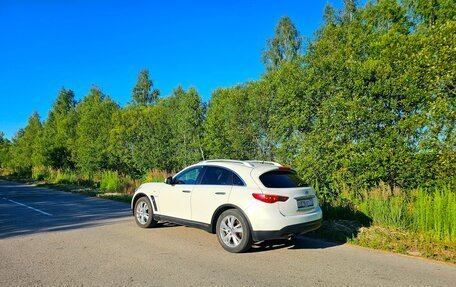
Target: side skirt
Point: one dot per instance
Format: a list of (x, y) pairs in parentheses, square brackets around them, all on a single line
[(184, 222)]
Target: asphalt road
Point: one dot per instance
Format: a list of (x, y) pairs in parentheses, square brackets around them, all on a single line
[(54, 238)]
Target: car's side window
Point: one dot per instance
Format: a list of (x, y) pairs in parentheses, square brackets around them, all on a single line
[(189, 176), (217, 176), (237, 180)]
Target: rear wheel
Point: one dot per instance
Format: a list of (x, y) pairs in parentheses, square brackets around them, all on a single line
[(144, 215), (233, 231)]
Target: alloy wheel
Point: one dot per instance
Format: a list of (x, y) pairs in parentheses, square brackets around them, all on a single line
[(231, 231)]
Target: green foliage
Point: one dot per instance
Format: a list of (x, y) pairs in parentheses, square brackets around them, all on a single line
[(155, 175), (144, 92), (25, 152), (41, 172), (5, 155), (69, 177), (110, 181), (164, 136), (284, 47), (184, 127), (435, 213), (138, 139), (59, 132), (431, 212), (229, 129), (94, 123)]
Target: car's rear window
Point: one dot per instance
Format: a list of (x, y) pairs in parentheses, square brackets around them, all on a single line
[(281, 179)]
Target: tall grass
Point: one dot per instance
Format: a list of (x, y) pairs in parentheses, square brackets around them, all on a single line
[(108, 180), (431, 212), (435, 213), (112, 181), (155, 175)]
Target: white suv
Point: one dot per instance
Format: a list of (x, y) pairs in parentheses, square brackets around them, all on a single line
[(241, 201)]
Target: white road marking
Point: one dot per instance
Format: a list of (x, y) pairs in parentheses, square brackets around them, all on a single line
[(21, 204)]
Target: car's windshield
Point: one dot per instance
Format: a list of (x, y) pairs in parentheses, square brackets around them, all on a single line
[(282, 179)]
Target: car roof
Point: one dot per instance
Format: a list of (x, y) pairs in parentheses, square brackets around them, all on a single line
[(249, 170), (254, 167)]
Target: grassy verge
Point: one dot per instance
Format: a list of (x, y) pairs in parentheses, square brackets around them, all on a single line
[(103, 184), (122, 197), (387, 238), (74, 188)]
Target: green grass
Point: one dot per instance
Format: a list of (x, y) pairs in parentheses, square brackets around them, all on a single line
[(405, 242), (434, 213), (430, 212), (111, 181)]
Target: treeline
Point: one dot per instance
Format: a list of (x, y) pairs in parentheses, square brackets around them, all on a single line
[(370, 99), (97, 134)]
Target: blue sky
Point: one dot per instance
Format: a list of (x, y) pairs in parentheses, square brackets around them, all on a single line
[(46, 45)]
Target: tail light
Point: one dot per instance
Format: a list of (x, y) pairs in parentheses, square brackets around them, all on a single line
[(269, 198)]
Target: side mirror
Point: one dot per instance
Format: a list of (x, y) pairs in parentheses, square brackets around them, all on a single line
[(169, 180)]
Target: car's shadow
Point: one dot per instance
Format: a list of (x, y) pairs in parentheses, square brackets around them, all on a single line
[(299, 242), (163, 224)]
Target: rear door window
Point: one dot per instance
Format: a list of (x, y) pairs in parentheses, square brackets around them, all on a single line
[(282, 179), (217, 176)]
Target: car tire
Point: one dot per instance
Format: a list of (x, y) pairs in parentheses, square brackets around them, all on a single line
[(144, 215), (233, 231)]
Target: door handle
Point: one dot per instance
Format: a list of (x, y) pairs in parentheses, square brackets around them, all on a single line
[(220, 192), (186, 191)]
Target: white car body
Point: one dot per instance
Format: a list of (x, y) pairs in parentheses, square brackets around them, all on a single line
[(199, 204)]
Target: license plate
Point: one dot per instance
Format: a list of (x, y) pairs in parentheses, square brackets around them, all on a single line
[(305, 203)]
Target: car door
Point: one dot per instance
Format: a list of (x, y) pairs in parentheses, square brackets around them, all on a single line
[(174, 200), (213, 191)]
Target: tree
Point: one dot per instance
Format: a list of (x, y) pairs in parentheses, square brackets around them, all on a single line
[(140, 139), (25, 152), (5, 145), (144, 92), (59, 131), (185, 123), (284, 46), (94, 115), (229, 127), (430, 12)]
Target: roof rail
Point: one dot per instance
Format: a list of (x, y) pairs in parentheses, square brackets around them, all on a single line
[(246, 163), (263, 162)]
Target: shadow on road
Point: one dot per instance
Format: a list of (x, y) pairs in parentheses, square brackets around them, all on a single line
[(68, 211), (300, 242)]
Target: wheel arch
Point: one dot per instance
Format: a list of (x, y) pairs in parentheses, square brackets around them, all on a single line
[(223, 208), (135, 199)]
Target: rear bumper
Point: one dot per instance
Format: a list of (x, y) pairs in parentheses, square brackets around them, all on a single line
[(287, 231)]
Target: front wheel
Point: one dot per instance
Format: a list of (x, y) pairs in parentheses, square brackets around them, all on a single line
[(144, 216), (233, 231)]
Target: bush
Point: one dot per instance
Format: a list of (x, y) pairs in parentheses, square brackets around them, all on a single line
[(41, 172), (155, 175), (110, 181)]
